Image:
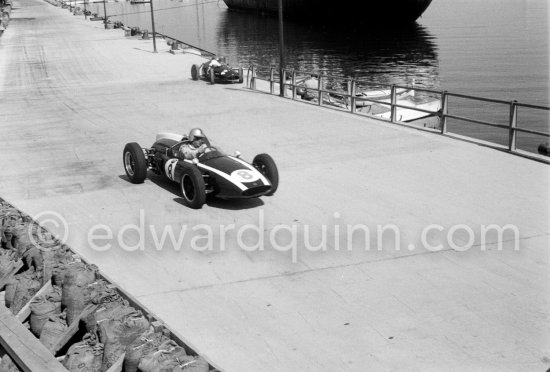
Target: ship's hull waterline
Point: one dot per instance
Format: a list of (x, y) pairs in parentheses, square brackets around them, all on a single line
[(377, 11)]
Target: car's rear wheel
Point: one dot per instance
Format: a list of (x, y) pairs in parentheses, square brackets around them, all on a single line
[(135, 163), (212, 76), (192, 187), (266, 166), (195, 72)]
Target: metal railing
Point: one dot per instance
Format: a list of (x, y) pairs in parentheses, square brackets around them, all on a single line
[(347, 100)]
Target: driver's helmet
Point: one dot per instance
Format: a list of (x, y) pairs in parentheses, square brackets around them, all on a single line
[(196, 133)]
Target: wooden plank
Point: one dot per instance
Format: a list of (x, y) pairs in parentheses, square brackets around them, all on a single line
[(73, 328), (8, 276), (24, 313), (25, 349)]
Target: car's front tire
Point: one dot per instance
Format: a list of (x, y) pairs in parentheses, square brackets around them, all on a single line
[(266, 166), (195, 72), (134, 162), (192, 187)]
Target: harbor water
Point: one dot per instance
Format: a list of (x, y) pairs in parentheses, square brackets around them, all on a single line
[(493, 48)]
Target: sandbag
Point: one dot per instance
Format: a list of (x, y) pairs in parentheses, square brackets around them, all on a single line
[(191, 364), (84, 356), (8, 260), (23, 241), (8, 365), (99, 292), (41, 309), (165, 358), (53, 329), (7, 238), (118, 335), (62, 257), (58, 272), (144, 345), (111, 310), (6, 266), (27, 287), (73, 297), (55, 295), (79, 274), (47, 264), (11, 287), (33, 259)]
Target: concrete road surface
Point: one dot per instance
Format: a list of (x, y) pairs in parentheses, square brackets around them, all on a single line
[(385, 248)]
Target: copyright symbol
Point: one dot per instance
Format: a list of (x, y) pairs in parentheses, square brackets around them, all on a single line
[(49, 221)]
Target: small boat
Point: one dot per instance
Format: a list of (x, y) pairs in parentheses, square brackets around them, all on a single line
[(363, 99), (404, 114)]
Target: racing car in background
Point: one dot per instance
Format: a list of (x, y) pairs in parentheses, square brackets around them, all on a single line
[(211, 173), (217, 74)]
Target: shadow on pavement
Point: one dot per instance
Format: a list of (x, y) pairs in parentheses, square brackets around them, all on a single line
[(172, 187)]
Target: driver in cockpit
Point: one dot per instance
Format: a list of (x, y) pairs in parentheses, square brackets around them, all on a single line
[(195, 145)]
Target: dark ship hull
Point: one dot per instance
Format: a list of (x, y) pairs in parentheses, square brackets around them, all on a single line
[(375, 11)]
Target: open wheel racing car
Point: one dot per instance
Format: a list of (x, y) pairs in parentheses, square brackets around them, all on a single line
[(212, 172), (217, 74)]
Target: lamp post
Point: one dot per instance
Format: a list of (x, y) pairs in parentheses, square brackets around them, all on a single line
[(153, 25), (150, 2), (281, 51)]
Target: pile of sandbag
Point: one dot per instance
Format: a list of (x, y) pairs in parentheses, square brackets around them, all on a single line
[(76, 304), (5, 12)]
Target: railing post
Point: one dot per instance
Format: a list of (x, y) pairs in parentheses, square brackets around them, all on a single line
[(393, 102), (320, 88), (352, 95), (444, 111), (105, 14), (253, 79), (513, 125), (271, 82), (294, 84), (283, 82)]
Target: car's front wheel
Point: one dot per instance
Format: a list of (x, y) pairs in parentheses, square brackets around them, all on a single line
[(192, 187), (135, 163), (266, 166)]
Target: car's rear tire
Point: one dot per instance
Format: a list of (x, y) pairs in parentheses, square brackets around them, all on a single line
[(134, 162), (192, 187), (195, 72), (266, 166), (241, 76), (212, 76)]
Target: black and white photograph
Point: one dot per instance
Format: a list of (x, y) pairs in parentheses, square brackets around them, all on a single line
[(274, 185)]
